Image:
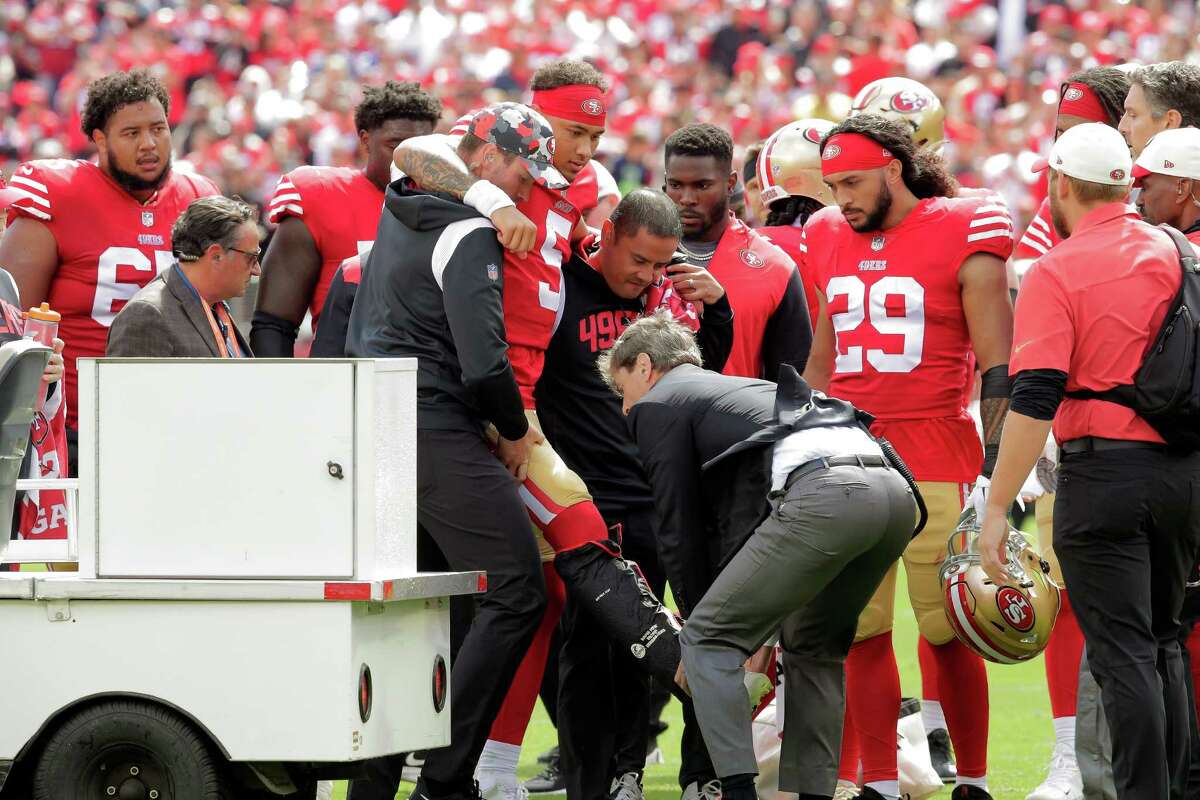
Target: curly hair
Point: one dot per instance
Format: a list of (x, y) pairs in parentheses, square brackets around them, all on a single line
[(924, 172), (1110, 86), (700, 140), (786, 210), (395, 100), (567, 73), (105, 96)]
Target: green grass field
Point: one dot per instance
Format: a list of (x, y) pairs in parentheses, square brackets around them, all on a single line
[(1019, 746)]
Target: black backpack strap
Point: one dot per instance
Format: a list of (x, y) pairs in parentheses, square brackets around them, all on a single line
[(1124, 395)]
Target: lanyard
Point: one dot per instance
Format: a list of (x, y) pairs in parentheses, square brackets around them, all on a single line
[(221, 325)]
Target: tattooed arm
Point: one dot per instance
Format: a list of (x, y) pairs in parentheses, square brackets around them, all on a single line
[(434, 165), (989, 314)]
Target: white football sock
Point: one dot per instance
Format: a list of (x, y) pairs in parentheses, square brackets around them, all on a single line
[(979, 783), (889, 789), (931, 715), (497, 760), (1064, 732)]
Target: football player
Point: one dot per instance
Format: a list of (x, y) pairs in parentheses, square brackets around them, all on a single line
[(1093, 95), (86, 236), (571, 531), (328, 214), (770, 317), (911, 282)]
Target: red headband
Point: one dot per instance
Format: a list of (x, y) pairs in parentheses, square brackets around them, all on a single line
[(1079, 100), (577, 103), (852, 151)]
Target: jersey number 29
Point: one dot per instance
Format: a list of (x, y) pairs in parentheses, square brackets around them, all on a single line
[(911, 325)]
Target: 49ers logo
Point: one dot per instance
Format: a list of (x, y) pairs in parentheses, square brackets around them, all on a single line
[(1073, 93), (751, 259), (1015, 608), (831, 152), (592, 106), (909, 102)]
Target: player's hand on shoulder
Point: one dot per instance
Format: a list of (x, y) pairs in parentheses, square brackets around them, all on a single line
[(514, 230)]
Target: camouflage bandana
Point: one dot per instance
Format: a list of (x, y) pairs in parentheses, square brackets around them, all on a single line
[(518, 129)]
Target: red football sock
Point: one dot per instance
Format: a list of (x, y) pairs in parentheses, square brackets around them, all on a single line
[(873, 692), (1063, 654), (573, 527), (510, 724), (963, 686), (929, 673), (848, 765)]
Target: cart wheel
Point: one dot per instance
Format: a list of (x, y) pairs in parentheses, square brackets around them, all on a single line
[(128, 750)]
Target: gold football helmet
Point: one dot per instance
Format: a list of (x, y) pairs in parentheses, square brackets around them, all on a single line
[(1006, 624), (907, 101), (790, 162)]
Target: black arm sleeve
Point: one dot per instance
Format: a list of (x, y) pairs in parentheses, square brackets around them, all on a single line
[(715, 336), (664, 441), (475, 314), (788, 336), (272, 336), (330, 341), (1037, 393)]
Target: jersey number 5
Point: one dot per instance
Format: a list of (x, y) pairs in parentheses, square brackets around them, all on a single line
[(911, 325)]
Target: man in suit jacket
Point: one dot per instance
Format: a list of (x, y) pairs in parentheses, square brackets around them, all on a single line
[(182, 312), (809, 511)]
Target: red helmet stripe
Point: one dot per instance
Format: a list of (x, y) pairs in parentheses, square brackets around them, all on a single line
[(966, 623)]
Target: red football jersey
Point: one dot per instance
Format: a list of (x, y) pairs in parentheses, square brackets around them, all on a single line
[(790, 239), (1039, 237), (109, 245), (533, 301), (593, 183), (339, 206), (903, 347), (755, 274)]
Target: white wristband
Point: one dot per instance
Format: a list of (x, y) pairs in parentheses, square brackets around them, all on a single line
[(487, 198)]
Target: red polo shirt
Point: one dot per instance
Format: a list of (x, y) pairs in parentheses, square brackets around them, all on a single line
[(1090, 307)]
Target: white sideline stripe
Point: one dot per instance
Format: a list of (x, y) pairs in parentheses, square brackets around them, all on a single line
[(980, 222), (32, 184), (448, 242), (533, 504), (35, 212), (41, 201), (977, 237)]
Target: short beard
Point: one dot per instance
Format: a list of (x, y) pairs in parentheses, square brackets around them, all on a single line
[(1057, 219), (135, 183), (719, 213), (874, 220)]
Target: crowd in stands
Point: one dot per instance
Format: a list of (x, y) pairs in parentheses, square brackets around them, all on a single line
[(259, 87)]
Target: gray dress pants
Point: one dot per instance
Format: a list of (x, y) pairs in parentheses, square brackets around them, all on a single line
[(1093, 746), (808, 572)]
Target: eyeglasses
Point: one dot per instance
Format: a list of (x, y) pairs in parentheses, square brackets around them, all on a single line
[(254, 256)]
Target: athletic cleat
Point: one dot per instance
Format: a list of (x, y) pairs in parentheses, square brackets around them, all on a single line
[(1063, 782), (413, 762), (627, 787), (654, 753), (848, 790), (548, 756), (965, 792), (940, 756), (505, 787), (707, 791), (421, 792), (549, 781)]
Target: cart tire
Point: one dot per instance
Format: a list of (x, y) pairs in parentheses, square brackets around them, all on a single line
[(126, 749)]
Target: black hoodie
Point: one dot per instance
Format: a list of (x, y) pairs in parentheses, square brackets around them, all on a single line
[(434, 292)]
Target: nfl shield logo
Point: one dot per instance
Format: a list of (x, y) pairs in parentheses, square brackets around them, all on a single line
[(493, 272), (148, 219), (877, 243)]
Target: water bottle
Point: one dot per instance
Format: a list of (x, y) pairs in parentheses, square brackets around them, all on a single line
[(41, 324)]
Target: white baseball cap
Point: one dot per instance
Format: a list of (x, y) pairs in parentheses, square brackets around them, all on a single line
[(1175, 152), (1091, 152)]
